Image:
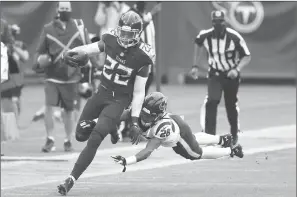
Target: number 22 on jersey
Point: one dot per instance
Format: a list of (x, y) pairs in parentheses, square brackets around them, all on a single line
[(116, 72)]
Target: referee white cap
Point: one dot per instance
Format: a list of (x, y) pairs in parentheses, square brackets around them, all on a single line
[(217, 15)]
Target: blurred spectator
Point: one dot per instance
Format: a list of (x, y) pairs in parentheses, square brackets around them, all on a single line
[(9, 128), (108, 14), (61, 84), (19, 55)]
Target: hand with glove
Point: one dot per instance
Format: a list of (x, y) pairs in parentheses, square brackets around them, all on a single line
[(120, 160), (135, 133), (75, 58)]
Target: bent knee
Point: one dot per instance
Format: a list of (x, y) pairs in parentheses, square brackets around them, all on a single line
[(80, 137), (82, 133)]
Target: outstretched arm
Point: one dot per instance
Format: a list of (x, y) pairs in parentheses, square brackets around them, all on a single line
[(142, 155), (137, 101)]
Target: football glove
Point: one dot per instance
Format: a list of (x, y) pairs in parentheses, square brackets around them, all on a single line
[(135, 134), (75, 58), (120, 160)]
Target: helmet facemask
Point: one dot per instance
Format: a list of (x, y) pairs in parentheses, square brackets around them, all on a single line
[(127, 37), (148, 118)]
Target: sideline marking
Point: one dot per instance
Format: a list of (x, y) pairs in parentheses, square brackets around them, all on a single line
[(172, 162)]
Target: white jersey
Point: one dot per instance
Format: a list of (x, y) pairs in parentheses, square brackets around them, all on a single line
[(4, 63), (167, 130)]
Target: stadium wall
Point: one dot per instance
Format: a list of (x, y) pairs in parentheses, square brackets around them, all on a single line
[(269, 29)]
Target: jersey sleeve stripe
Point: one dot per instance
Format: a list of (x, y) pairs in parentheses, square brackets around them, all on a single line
[(245, 48), (241, 40), (188, 149)]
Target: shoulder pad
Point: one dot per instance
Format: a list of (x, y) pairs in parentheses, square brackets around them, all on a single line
[(163, 129), (110, 32), (108, 35), (149, 51)]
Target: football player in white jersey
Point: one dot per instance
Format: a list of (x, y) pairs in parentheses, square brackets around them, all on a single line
[(164, 129)]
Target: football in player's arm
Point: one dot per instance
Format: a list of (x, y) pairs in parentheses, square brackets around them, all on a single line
[(78, 56)]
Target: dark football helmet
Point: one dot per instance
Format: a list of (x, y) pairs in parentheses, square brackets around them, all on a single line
[(153, 108), (129, 29)]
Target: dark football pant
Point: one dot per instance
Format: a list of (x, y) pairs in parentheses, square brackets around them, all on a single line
[(108, 107), (218, 82), (149, 82), (188, 146)]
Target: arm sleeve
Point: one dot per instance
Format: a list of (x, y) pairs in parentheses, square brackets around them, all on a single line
[(199, 39), (146, 152), (138, 95), (242, 47)]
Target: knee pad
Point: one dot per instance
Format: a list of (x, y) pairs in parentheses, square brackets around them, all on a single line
[(84, 129)]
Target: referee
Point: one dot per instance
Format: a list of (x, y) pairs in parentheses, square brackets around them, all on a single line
[(227, 54)]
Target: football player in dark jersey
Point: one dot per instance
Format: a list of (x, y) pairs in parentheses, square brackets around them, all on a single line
[(164, 129), (123, 80)]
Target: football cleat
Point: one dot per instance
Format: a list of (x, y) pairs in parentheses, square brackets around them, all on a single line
[(237, 151), (68, 146), (65, 187), (37, 117), (49, 146), (225, 140)]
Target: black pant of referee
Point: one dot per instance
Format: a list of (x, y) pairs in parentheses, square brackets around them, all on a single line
[(218, 82)]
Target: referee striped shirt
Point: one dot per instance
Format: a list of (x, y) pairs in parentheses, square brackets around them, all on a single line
[(225, 52)]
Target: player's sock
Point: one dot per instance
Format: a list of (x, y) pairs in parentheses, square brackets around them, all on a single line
[(58, 115), (207, 139), (11, 130), (72, 178), (51, 138), (87, 155), (40, 111), (211, 152)]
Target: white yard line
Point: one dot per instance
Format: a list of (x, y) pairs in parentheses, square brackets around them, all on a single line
[(276, 131), (64, 157)]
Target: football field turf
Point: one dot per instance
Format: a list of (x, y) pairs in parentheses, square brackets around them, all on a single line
[(267, 119)]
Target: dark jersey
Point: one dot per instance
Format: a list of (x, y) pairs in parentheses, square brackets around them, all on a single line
[(122, 65)]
